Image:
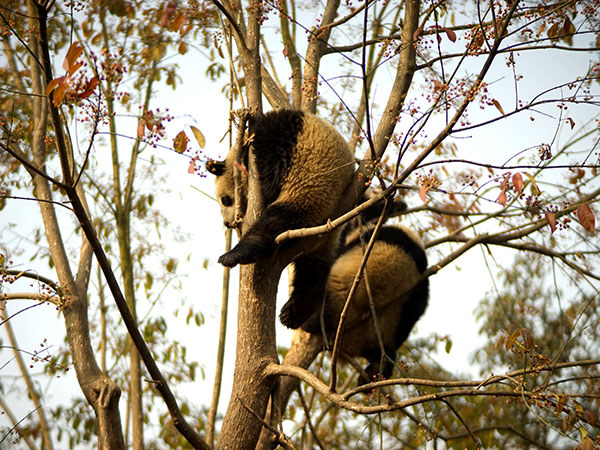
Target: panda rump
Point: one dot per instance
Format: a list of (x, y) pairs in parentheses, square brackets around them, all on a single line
[(400, 297)]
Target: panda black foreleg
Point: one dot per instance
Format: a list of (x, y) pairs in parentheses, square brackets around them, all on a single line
[(308, 290), (259, 241)]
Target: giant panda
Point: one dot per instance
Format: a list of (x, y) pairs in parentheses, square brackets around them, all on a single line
[(304, 165), (394, 269)]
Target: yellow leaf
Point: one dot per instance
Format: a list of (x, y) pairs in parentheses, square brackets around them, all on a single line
[(199, 136), (535, 190), (496, 103)]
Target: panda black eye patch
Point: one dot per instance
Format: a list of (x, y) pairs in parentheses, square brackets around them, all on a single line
[(226, 201)]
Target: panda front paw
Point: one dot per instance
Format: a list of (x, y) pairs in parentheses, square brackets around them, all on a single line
[(247, 251)]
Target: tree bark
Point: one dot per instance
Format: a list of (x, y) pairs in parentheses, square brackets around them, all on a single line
[(255, 349)]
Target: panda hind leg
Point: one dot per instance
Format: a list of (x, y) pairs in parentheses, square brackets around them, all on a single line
[(308, 291), (259, 241), (378, 370)]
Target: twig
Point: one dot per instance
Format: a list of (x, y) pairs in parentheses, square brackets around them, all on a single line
[(281, 439), (465, 424)]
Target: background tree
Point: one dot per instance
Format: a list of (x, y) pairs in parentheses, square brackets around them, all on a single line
[(426, 83), (96, 98)]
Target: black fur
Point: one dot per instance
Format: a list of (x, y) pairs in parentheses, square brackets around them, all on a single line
[(216, 167), (412, 311), (259, 241), (309, 285), (275, 136), (394, 236)]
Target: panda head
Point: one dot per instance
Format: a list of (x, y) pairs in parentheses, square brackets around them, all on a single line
[(225, 188)]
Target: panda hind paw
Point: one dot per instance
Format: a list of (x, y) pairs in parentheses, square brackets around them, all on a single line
[(289, 316)]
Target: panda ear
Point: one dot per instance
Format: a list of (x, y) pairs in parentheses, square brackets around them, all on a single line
[(217, 168)]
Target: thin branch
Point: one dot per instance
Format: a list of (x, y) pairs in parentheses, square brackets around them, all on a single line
[(29, 165), (15, 425), (464, 423), (306, 409), (233, 22), (39, 200), (353, 288), (281, 439), (470, 388)]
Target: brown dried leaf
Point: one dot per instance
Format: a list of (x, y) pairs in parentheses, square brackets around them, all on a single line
[(587, 444), (141, 129), (517, 181), (553, 31), (571, 122), (527, 337), (423, 192), (70, 63), (59, 93), (89, 88), (438, 86), (590, 417), (586, 217), (180, 142), (568, 27), (53, 84), (182, 48), (451, 34), (192, 166), (551, 219), (542, 28), (502, 198)]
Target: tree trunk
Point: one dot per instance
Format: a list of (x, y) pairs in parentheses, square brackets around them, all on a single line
[(255, 349)]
